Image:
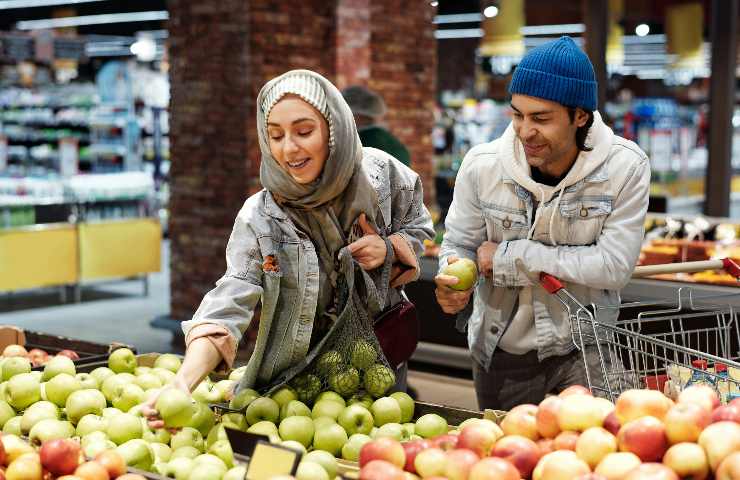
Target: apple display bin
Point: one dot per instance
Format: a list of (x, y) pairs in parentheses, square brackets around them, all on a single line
[(142, 359)]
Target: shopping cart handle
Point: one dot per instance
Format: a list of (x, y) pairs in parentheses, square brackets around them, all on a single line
[(552, 284), (731, 267)]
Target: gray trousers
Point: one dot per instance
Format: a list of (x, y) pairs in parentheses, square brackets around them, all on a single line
[(516, 379)]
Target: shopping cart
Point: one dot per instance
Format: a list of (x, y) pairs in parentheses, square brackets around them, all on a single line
[(675, 342)]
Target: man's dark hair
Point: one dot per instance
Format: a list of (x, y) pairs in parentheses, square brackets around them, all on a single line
[(582, 132)]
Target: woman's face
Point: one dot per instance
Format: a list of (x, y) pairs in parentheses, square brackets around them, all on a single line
[(299, 138)]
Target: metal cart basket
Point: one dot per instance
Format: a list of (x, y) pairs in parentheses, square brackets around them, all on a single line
[(663, 345)]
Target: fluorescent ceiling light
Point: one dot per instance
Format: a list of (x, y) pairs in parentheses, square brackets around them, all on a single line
[(553, 29), (490, 11), (642, 29), (459, 33), (93, 20), (458, 18), (8, 4)]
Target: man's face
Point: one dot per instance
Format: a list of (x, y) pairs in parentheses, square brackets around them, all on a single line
[(546, 131)]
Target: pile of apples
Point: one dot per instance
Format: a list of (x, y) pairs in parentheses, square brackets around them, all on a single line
[(575, 435), (36, 356)]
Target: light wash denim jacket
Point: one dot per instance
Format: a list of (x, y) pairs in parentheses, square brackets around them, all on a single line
[(289, 296), (587, 231)]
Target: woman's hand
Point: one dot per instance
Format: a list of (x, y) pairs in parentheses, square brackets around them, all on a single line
[(370, 250), (148, 408)]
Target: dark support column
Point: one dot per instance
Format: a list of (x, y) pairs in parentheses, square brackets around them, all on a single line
[(596, 18), (722, 93)]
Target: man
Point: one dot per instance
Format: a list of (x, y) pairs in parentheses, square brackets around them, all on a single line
[(369, 110), (557, 193)]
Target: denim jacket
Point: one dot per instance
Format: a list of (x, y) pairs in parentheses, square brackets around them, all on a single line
[(289, 296), (587, 231)]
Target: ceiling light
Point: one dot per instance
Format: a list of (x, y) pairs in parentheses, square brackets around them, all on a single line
[(8, 4), (458, 33), (490, 11), (553, 29), (434, 3), (145, 49), (93, 20), (642, 29), (458, 18)]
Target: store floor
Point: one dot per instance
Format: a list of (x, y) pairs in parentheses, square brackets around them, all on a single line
[(119, 312)]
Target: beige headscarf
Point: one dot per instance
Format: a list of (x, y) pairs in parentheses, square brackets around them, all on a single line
[(327, 208)]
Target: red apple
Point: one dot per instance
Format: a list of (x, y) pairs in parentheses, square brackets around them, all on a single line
[(131, 476), (411, 449), (645, 437), (520, 451), (651, 471), (546, 445), (381, 470), (383, 448), (37, 356), (594, 444), (575, 390), (684, 422), (92, 471), (477, 438), (611, 423), (726, 413), (3, 455), (560, 465), (688, 460), (735, 401), (521, 420), (702, 395), (71, 354), (113, 462), (60, 457), (566, 441), (15, 351), (493, 468), (720, 440), (431, 462), (729, 469), (459, 463), (547, 416), (633, 404), (445, 442), (615, 466), (591, 476)]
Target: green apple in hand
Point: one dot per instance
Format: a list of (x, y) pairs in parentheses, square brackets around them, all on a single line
[(122, 360), (356, 419), (175, 407), (386, 410), (263, 408), (466, 272), (300, 429)]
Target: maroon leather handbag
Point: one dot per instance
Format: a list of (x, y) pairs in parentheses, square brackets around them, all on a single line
[(397, 330)]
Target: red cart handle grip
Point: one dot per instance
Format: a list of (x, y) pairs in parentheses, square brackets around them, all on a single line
[(550, 283), (731, 267)]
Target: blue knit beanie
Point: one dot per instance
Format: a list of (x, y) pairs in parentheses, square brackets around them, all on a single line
[(557, 71)]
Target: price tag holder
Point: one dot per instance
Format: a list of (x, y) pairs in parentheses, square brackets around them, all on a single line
[(270, 460), (243, 442)]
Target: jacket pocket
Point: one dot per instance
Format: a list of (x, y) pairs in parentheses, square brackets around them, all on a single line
[(584, 219), (504, 223)]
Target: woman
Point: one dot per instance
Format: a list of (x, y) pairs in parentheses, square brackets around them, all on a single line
[(323, 192)]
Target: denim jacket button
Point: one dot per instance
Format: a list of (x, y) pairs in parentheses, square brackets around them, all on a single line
[(494, 330), (584, 212), (507, 223)]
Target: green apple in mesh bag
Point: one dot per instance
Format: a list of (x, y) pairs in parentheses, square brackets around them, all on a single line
[(283, 395), (378, 379), (363, 354), (307, 387), (329, 362), (361, 398), (465, 271), (345, 382)]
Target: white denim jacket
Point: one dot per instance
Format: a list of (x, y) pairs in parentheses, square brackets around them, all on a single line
[(587, 231)]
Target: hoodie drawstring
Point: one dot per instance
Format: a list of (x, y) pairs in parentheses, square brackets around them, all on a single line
[(536, 213), (552, 218)]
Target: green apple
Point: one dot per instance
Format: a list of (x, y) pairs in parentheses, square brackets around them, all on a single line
[(385, 410), (162, 452), (263, 408), (235, 420), (188, 436), (392, 430), (236, 473), (237, 373), (465, 271), (222, 449), (410, 428), (50, 429), (136, 453), (299, 428), (321, 422), (407, 405), (91, 423), (203, 418), (207, 471), (15, 366), (329, 362), (37, 375), (345, 382), (111, 383), (165, 375), (82, 402), (217, 433), (430, 425), (3, 391), (175, 407), (57, 365), (160, 435), (87, 381), (331, 439), (168, 361), (13, 426), (327, 408), (122, 360), (307, 387), (378, 379), (264, 428), (101, 374), (361, 398), (179, 468), (110, 412), (6, 413), (93, 449), (186, 451), (351, 449), (333, 396), (210, 459), (243, 398), (207, 392), (311, 471), (292, 444), (124, 427), (23, 390), (35, 413), (363, 354), (294, 408), (142, 370), (284, 395), (327, 461), (225, 388), (125, 397), (96, 436), (356, 419), (148, 381)]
